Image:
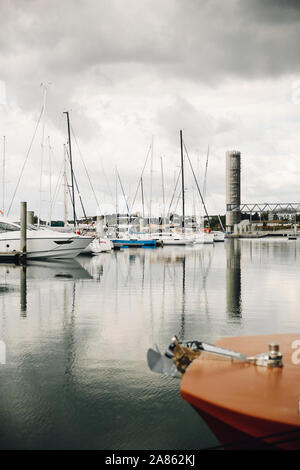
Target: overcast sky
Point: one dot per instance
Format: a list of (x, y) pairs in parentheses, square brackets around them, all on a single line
[(135, 71)]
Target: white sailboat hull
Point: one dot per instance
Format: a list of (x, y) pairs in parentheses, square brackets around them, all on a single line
[(178, 241), (219, 236), (173, 240), (101, 245), (204, 238)]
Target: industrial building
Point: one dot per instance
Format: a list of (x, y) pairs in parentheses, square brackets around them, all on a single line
[(233, 189)]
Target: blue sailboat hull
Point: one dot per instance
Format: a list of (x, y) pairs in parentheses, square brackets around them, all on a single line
[(134, 243)]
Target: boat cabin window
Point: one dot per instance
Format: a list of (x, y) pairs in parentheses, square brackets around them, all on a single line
[(31, 227), (5, 227)]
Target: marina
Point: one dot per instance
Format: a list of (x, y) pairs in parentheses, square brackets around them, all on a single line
[(125, 267), (129, 279), (80, 329), (149, 228)]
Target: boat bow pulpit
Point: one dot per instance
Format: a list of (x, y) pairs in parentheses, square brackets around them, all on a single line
[(182, 354), (249, 399)]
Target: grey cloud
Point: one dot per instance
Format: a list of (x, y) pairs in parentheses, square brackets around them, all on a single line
[(206, 41), (106, 46), (100, 44), (201, 126), (271, 11)]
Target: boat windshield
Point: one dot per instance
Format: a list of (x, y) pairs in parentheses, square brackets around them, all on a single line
[(28, 226), (31, 227), (6, 227)]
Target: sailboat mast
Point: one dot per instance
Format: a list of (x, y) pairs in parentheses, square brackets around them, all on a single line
[(197, 185), (143, 202), (50, 180), (65, 188), (151, 185), (117, 205), (42, 148), (71, 165), (140, 179), (182, 182), (116, 183), (222, 227), (194, 211), (205, 175), (3, 178), (163, 187), (123, 192)]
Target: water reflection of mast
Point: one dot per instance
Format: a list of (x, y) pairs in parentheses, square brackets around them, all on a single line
[(69, 334), (233, 278), (205, 272), (182, 317), (116, 280), (143, 271), (151, 298), (23, 290), (182, 323), (163, 292)]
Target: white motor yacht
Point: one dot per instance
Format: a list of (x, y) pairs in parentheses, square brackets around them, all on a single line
[(41, 242)]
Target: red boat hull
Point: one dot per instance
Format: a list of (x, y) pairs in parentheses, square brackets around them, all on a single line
[(247, 406)]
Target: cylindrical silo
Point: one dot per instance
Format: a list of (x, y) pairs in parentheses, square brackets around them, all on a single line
[(233, 189)]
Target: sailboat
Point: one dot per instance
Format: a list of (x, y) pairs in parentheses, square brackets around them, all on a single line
[(126, 234), (204, 237), (172, 238), (175, 237), (101, 243), (128, 237)]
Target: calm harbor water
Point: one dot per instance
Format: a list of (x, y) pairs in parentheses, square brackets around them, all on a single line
[(77, 334)]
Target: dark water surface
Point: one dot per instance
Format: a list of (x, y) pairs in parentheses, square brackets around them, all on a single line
[(77, 333)]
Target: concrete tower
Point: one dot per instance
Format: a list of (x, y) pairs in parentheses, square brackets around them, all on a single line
[(233, 189)]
